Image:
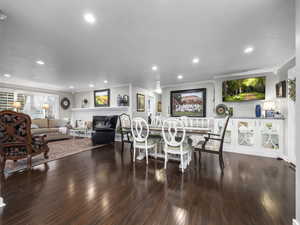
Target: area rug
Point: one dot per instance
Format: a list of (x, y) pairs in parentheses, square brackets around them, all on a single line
[(58, 150)]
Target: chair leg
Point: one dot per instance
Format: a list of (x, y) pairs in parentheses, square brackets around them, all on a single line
[(46, 152), (221, 162), (3, 161), (182, 163), (146, 155), (29, 162), (155, 148), (200, 156), (166, 159), (134, 153), (122, 146)]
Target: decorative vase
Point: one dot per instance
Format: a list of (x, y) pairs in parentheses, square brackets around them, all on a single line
[(258, 111)]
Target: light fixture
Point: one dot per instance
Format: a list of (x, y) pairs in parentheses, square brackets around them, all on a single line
[(248, 50), (71, 87), (179, 77), (7, 75), (158, 88), (17, 106), (40, 62), (196, 60), (154, 68), (89, 18), (2, 16), (105, 82), (91, 85)]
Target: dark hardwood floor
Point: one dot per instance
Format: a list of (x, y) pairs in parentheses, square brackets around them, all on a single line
[(102, 187)]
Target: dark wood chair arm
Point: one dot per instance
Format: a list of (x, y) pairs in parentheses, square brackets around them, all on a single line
[(211, 138), (212, 134)]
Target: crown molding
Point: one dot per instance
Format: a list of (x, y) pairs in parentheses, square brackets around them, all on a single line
[(188, 83), (247, 73), (98, 87)]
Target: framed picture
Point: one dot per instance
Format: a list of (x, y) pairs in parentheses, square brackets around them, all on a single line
[(281, 89), (189, 103), (140, 102), (159, 106), (102, 98)]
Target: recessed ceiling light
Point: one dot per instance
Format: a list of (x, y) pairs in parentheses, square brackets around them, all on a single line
[(40, 62), (248, 50), (7, 75), (158, 90), (89, 18), (91, 85), (154, 68), (196, 60), (179, 76), (105, 82), (71, 87)]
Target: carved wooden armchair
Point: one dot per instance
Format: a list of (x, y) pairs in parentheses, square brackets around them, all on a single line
[(16, 141)]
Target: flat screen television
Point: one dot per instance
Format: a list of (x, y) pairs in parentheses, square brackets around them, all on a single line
[(246, 89)]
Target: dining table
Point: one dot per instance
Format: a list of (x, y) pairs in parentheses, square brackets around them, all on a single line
[(195, 134)]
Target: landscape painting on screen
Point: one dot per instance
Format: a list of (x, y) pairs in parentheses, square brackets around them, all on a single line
[(244, 89), (188, 103)]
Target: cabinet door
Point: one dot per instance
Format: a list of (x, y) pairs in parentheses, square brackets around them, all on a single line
[(246, 133)]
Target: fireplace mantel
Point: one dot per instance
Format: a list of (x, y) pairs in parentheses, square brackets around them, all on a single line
[(114, 108)]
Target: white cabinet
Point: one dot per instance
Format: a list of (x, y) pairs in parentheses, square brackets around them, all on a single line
[(262, 137)]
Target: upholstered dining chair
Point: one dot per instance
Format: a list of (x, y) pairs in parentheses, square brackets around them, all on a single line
[(16, 141), (214, 144), (174, 134), (141, 140), (126, 135)]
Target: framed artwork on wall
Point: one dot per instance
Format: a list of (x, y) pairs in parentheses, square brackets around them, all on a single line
[(140, 102), (281, 89), (102, 98), (190, 103), (159, 106)]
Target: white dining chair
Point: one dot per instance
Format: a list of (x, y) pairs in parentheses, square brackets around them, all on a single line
[(141, 140), (174, 134)]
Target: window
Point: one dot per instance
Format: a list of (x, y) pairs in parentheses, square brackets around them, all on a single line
[(22, 99), (6, 100)]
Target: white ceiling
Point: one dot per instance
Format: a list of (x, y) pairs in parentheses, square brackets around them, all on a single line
[(130, 36)]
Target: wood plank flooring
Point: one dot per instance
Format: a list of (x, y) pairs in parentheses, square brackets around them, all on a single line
[(103, 187)]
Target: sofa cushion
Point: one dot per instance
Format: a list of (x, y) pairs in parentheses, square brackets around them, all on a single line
[(53, 123), (41, 123), (44, 130)]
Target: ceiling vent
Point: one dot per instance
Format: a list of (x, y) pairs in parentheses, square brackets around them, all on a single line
[(2, 16)]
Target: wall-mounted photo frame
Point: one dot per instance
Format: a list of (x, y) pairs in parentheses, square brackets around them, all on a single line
[(140, 102), (281, 89), (159, 106), (102, 98), (190, 103)]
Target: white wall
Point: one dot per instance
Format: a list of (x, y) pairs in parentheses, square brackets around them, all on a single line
[(209, 96), (214, 96), (89, 95), (87, 115), (298, 111)]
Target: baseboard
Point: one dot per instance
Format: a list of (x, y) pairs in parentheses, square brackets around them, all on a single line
[(295, 222)]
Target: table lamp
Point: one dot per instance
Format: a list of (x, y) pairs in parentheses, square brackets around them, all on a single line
[(46, 108), (17, 106)]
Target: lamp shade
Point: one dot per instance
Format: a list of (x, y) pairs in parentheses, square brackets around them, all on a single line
[(45, 106), (17, 105)]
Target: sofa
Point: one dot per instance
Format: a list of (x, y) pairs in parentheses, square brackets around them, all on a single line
[(54, 129)]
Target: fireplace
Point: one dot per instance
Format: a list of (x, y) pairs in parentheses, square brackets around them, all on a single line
[(104, 129)]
